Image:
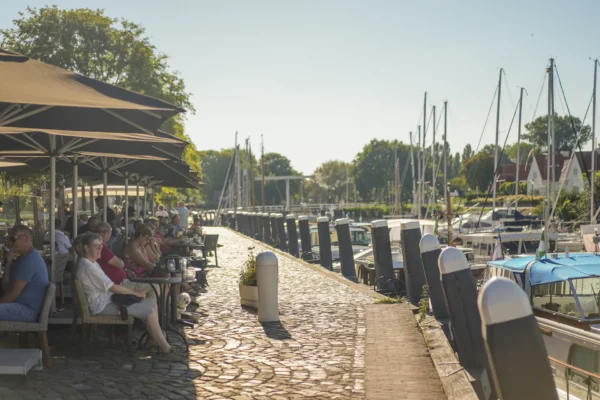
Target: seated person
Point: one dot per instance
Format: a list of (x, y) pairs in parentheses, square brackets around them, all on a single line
[(197, 226), (90, 226), (25, 279), (99, 289), (174, 227), (162, 212), (153, 247), (114, 267), (62, 242), (137, 262)]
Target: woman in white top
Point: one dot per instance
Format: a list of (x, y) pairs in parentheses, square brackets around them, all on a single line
[(99, 288)]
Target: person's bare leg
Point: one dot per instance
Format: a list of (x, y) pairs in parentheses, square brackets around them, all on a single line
[(156, 333)]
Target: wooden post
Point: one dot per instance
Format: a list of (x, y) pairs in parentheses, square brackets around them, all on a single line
[(292, 234), (280, 223), (382, 253), (430, 252), (345, 248), (324, 242), (410, 233), (515, 347), (304, 234)]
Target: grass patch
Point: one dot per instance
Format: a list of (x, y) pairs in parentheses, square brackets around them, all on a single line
[(390, 300)]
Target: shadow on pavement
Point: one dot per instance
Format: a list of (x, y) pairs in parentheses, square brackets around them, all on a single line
[(276, 331)]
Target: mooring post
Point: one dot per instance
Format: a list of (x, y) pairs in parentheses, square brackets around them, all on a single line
[(304, 234), (267, 228), (292, 234), (410, 233), (256, 225), (382, 253), (514, 344), (430, 253), (267, 271), (460, 291), (324, 242), (260, 227), (274, 234), (342, 227), (279, 221)]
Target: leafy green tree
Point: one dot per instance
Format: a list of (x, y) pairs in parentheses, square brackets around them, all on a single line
[(565, 132), (467, 153), (511, 152), (111, 50), (331, 177), (373, 167), (277, 165), (479, 170)]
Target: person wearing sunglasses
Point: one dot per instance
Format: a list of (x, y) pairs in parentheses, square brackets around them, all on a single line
[(25, 279)]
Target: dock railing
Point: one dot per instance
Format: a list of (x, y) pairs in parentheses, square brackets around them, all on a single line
[(589, 379)]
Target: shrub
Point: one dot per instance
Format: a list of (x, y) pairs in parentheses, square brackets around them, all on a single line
[(248, 274)]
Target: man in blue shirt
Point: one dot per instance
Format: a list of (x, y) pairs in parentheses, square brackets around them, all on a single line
[(25, 279)]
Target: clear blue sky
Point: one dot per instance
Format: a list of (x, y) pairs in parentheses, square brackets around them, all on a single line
[(320, 78)]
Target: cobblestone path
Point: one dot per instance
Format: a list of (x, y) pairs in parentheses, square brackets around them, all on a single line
[(317, 351)]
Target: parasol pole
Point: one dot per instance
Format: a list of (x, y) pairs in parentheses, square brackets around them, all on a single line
[(75, 189)]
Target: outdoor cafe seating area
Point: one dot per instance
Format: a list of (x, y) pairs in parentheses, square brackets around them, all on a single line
[(85, 135)]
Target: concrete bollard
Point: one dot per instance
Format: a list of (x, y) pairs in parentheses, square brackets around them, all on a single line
[(410, 234), (304, 234), (267, 271), (430, 253), (342, 227), (267, 228), (324, 242), (292, 233), (274, 234), (460, 292), (280, 222), (382, 252), (514, 344)]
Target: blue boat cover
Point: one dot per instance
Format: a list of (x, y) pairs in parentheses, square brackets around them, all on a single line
[(550, 270)]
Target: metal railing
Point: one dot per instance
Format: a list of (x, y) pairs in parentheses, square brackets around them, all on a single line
[(590, 380)]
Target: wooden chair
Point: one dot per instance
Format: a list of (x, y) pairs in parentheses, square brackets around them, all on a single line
[(41, 326), (82, 310), (211, 244), (61, 261)]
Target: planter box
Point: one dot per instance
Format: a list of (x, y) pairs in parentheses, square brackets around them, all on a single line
[(249, 296)]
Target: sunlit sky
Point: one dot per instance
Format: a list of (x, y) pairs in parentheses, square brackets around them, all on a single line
[(321, 78)]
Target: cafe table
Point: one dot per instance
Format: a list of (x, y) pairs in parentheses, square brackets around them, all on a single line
[(162, 301)]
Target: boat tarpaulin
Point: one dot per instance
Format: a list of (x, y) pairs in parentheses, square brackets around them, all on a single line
[(550, 270)]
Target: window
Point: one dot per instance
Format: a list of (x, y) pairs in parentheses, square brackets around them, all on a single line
[(511, 248), (530, 246), (586, 359), (556, 297)]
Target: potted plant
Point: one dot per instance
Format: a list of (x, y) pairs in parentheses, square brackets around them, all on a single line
[(248, 289)]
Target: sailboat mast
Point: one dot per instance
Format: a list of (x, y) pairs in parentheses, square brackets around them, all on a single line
[(551, 149), (420, 182), (262, 168), (238, 191), (593, 185), (412, 164), (396, 181), (445, 151), (496, 161), (518, 150), (433, 172), (423, 154), (252, 195)]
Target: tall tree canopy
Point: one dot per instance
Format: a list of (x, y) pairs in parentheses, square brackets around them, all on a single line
[(111, 50), (331, 177), (565, 132), (479, 170)]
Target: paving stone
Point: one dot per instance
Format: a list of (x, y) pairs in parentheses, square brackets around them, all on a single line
[(316, 351)]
